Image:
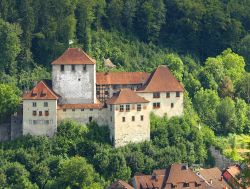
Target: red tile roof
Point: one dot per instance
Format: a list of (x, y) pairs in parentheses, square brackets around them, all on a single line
[(175, 175), (122, 78), (74, 56), (120, 184), (162, 80), (40, 92), (126, 96), (214, 177)]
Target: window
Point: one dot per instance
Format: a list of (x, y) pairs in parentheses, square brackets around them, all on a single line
[(142, 117), (121, 108), (34, 104), (45, 104), (82, 110), (46, 113), (110, 107), (98, 92), (186, 185), (79, 79), (73, 68), (123, 119), (127, 108), (40, 113), (168, 95), (73, 110), (177, 94), (91, 109), (34, 113), (84, 68), (172, 105), (90, 119), (111, 119), (106, 93), (62, 68), (156, 105), (133, 118), (64, 110), (35, 122), (156, 95), (138, 107)]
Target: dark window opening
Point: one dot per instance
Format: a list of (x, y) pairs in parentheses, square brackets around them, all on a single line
[(172, 105), (177, 94), (121, 108), (34, 113), (34, 104), (73, 68), (90, 119), (186, 185), (46, 113), (156, 105), (40, 113), (168, 95), (62, 68), (142, 117), (138, 107), (156, 95), (64, 110), (123, 119), (133, 118), (127, 108), (84, 67), (73, 110), (45, 104), (82, 110)]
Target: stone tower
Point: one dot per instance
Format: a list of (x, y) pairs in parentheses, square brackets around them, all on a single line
[(74, 77)]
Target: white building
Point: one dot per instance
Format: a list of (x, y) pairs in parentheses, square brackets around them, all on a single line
[(121, 100)]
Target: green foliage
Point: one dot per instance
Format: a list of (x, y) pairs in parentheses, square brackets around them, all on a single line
[(9, 101)]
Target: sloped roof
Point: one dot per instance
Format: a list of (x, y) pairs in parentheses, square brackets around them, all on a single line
[(122, 78), (74, 56), (214, 177), (40, 92), (126, 96), (161, 80), (175, 174), (120, 184)]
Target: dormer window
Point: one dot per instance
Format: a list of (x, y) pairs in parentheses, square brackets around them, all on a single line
[(73, 68), (62, 68)]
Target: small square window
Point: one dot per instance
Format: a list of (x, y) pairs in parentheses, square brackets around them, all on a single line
[(138, 107), (172, 105), (127, 108), (91, 109), (45, 104), (73, 110), (142, 117), (73, 68), (156, 95), (64, 110), (84, 67), (133, 118), (123, 119), (40, 113), (34, 113), (106, 93), (90, 119), (121, 108), (82, 110), (168, 95), (34, 104), (62, 68), (46, 113), (156, 105), (177, 94)]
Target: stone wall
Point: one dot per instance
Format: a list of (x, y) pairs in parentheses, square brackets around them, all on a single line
[(165, 103), (77, 86), (16, 126), (83, 116), (130, 131), (5, 129)]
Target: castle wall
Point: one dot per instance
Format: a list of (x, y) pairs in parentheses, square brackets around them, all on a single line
[(83, 117), (77, 86), (165, 104), (130, 131), (39, 124), (5, 131)]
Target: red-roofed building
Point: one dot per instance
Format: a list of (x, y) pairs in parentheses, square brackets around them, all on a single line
[(121, 100)]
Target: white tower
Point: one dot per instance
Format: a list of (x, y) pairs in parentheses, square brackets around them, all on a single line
[(74, 77)]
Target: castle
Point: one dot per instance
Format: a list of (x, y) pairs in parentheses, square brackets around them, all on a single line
[(121, 100)]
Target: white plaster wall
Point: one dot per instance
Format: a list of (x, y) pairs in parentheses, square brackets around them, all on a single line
[(131, 131), (165, 108), (39, 129), (98, 115), (77, 86)]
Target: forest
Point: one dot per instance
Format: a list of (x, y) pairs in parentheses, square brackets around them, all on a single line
[(205, 43)]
